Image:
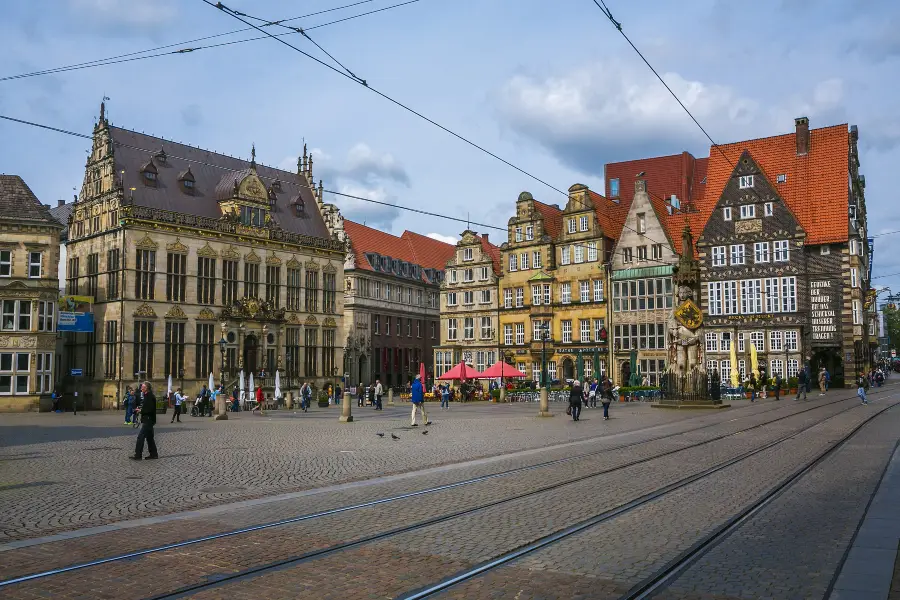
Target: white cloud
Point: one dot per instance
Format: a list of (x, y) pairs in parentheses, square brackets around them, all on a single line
[(370, 213), (447, 239), (126, 13)]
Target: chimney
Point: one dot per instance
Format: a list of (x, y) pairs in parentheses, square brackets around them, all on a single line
[(640, 185), (60, 203), (802, 124), (486, 239)]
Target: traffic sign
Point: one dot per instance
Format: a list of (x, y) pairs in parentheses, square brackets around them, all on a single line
[(77, 373)]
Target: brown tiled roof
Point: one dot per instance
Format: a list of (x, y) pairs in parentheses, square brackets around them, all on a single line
[(491, 250), (611, 215), (816, 189), (18, 202), (411, 247), (679, 174), (211, 171), (552, 218)]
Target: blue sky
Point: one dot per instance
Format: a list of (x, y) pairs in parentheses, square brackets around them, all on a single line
[(550, 86)]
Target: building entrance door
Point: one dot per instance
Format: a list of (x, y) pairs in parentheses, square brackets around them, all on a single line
[(568, 369), (251, 354)]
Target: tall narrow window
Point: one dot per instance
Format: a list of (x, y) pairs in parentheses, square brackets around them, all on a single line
[(143, 349), (592, 251), (312, 290), (292, 349), (520, 333), (328, 337), (251, 280), (293, 289), (206, 280), (273, 285), (112, 274), (204, 347), (329, 293), (174, 349), (229, 282), (6, 263), (176, 276), (311, 351), (110, 350), (145, 279), (34, 265), (93, 274)]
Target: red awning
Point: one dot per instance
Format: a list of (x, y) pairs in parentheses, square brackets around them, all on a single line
[(501, 369), (462, 372)]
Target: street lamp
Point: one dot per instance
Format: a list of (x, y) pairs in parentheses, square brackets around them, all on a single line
[(222, 343), (287, 355), (545, 335)]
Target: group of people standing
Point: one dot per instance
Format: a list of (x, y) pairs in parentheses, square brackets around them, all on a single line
[(578, 396), (370, 395)]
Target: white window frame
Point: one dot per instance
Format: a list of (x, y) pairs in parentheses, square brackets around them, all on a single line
[(761, 252), (523, 261), (452, 280), (719, 256), (738, 254), (791, 341), (776, 341), (529, 232), (598, 290), (768, 209), (520, 334), (565, 292), (748, 211), (571, 223), (857, 315), (725, 342), (513, 262), (469, 328), (536, 294), (566, 331), (32, 264), (520, 297), (584, 331), (592, 251), (627, 255), (824, 250), (508, 334), (726, 213), (782, 251), (468, 297), (483, 275), (854, 277), (467, 254), (564, 255), (452, 300), (584, 289), (469, 275), (714, 297), (712, 342), (536, 261), (745, 182), (485, 296), (599, 324), (583, 223), (518, 234), (507, 298), (578, 254), (452, 329), (853, 247)]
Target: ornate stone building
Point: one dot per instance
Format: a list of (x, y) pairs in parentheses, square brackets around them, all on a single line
[(29, 255), (554, 281), (469, 316), (201, 263), (391, 307)]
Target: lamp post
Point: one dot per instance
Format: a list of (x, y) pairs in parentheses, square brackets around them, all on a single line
[(544, 410), (287, 354), (222, 343)]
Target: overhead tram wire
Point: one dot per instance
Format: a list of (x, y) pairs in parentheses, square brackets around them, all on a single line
[(184, 47), (241, 17)]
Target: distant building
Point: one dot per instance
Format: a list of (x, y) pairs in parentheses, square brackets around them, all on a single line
[(470, 319), (29, 258), (391, 309)]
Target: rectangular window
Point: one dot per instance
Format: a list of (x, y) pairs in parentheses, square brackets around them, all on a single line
[(790, 341), (110, 350), (776, 367), (737, 254), (712, 342), (312, 291), (768, 209), (174, 348), (613, 188), (592, 251), (251, 280), (567, 331), (793, 367), (745, 181), (311, 351), (740, 347), (536, 259), (776, 343), (451, 299), (520, 333), (598, 290), (520, 297), (627, 255), (751, 296), (854, 277), (579, 254), (547, 293), (725, 346), (782, 251), (294, 287), (584, 330), (714, 297), (204, 346), (518, 234), (329, 293), (566, 292), (641, 223), (852, 247), (730, 300), (857, 315), (399, 326), (482, 276), (536, 294), (598, 329), (112, 274), (467, 254), (788, 294), (376, 325), (142, 349), (507, 298), (468, 298), (273, 285), (46, 321), (508, 334), (758, 339), (761, 252), (565, 255), (583, 223), (93, 274), (17, 315), (485, 296), (656, 251), (34, 265), (452, 328), (469, 275), (452, 276), (44, 372), (469, 328), (176, 276), (748, 211), (536, 328), (726, 213), (524, 261), (585, 291), (529, 232), (513, 262), (485, 328), (6, 263), (718, 256), (571, 223), (229, 282)]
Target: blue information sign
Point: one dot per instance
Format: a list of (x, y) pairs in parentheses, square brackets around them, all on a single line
[(76, 372)]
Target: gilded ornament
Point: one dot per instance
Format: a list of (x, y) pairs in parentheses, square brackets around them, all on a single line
[(311, 265), (206, 315), (207, 251), (689, 315), (252, 257), (177, 246), (230, 253), (311, 321), (330, 322), (293, 263), (329, 268), (144, 311), (147, 243), (271, 259), (748, 226), (175, 313)]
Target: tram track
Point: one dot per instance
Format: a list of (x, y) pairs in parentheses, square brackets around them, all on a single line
[(334, 549)]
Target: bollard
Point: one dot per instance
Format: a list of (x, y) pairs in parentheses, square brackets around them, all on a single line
[(221, 411), (545, 404), (502, 394), (289, 400), (390, 396), (346, 417)]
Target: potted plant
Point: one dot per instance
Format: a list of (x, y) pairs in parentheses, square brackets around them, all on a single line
[(323, 399), (792, 385)]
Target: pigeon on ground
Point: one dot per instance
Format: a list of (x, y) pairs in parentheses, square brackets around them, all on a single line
[(380, 434), (394, 437), (425, 432)]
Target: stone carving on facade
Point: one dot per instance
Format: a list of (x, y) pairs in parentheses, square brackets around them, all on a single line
[(294, 319), (175, 313), (230, 253), (253, 309), (273, 260), (25, 341), (293, 263), (748, 226), (147, 243), (252, 257), (144, 311), (311, 265), (311, 321), (207, 251), (329, 268), (329, 322), (46, 342), (206, 315), (177, 246)]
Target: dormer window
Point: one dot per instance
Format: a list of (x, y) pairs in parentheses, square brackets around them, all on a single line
[(149, 174), (276, 186), (186, 179), (161, 156), (189, 184)]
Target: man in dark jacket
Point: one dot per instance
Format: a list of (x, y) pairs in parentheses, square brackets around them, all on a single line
[(148, 420), (801, 384)]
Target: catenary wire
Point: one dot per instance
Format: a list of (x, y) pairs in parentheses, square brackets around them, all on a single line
[(132, 56)]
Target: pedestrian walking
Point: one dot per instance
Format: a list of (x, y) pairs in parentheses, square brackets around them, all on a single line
[(55, 398), (417, 397), (822, 377), (862, 384), (445, 396), (827, 380), (753, 385), (801, 384), (379, 391), (360, 395), (148, 420), (179, 398), (593, 390), (576, 395), (778, 383), (305, 396), (128, 404), (260, 399)]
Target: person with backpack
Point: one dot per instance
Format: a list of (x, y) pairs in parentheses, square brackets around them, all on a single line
[(445, 396), (417, 397), (862, 385), (801, 384)]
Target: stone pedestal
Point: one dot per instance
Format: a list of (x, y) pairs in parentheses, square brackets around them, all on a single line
[(346, 417), (544, 404), (390, 396), (502, 394), (221, 412), (289, 400)]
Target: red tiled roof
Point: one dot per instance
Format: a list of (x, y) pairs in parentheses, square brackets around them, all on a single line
[(365, 239), (552, 218), (816, 189), (679, 174), (491, 250), (429, 252), (610, 215)]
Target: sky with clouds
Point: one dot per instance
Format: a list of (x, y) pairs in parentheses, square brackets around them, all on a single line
[(549, 86)]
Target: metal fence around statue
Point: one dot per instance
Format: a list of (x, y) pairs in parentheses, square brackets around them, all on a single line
[(686, 387)]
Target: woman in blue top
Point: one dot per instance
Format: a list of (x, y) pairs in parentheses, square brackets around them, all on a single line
[(445, 396)]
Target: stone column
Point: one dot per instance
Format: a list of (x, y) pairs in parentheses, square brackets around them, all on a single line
[(265, 348), (346, 417), (390, 396), (240, 350), (545, 404), (502, 393)]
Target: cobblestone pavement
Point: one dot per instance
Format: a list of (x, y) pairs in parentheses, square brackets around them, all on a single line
[(406, 561)]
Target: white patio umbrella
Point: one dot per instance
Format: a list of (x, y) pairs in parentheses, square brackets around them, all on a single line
[(252, 388), (243, 394), (212, 382), (277, 384), (169, 390)]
